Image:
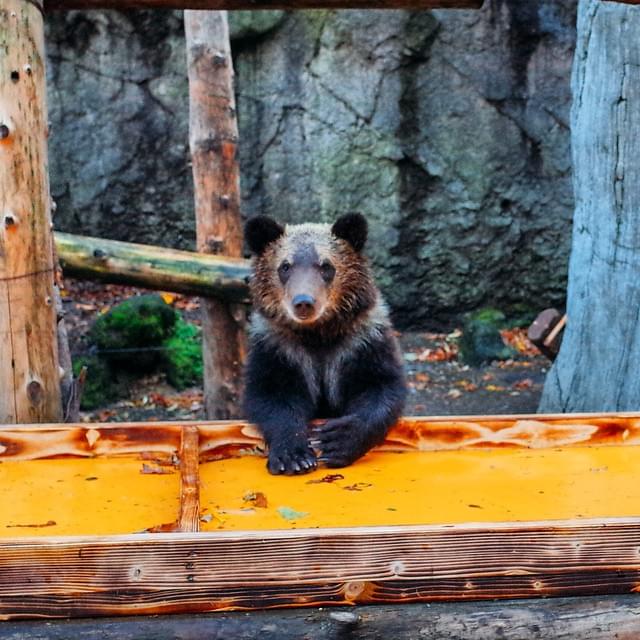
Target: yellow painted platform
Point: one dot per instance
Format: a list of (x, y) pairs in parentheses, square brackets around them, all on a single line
[(427, 488), (104, 496), (74, 496)]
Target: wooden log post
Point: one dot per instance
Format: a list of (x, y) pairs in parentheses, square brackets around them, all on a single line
[(29, 370), (213, 135), (152, 267)]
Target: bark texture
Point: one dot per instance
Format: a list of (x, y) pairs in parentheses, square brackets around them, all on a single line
[(598, 367), (213, 138), (29, 371)]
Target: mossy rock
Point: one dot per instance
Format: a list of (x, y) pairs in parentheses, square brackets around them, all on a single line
[(131, 334), (183, 356), (481, 341), (100, 387), (248, 25)]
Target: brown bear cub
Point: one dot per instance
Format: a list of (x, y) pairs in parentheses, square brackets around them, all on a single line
[(321, 345)]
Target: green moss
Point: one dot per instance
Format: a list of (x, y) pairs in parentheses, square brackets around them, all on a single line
[(183, 356), (100, 387), (129, 332), (481, 341)]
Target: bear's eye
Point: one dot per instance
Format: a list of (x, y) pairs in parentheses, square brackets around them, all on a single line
[(328, 271), (283, 271)]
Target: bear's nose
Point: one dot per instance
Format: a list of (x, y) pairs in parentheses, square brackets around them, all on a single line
[(303, 305)]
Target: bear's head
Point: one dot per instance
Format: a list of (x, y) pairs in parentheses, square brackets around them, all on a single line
[(310, 276)]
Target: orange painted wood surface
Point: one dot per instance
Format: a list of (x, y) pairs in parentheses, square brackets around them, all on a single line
[(52, 576)]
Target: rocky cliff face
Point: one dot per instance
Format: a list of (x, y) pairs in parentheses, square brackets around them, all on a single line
[(447, 129)]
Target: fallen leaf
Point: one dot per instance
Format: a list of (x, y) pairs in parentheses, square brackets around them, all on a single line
[(330, 478), (358, 486), (291, 514), (257, 498), (526, 383), (454, 393), (148, 469)]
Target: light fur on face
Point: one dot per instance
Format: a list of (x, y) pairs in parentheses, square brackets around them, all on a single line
[(351, 292)]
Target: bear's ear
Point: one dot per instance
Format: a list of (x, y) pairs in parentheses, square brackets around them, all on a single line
[(352, 228), (260, 232)]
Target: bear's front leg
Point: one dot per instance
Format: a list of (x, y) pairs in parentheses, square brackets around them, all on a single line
[(277, 400), (373, 397)]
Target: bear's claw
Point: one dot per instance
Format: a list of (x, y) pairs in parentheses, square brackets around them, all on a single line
[(291, 459)]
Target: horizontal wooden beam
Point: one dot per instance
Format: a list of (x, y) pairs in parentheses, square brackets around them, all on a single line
[(153, 267), (223, 439), (56, 5), (590, 618), (227, 571)]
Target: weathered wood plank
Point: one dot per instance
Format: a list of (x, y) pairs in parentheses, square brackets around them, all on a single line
[(189, 519), (53, 5), (153, 267), (188, 573), (588, 618), (28, 319), (221, 439)]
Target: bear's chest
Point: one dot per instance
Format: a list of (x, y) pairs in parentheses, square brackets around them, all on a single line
[(324, 377)]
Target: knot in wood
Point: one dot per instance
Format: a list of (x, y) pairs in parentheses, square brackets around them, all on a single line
[(215, 244), (9, 221), (35, 392), (353, 589), (219, 59), (4, 131), (99, 254)]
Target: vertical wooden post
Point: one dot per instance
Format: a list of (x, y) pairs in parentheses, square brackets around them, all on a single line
[(213, 136), (29, 371)]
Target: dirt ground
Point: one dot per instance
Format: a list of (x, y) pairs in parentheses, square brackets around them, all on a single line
[(439, 383)]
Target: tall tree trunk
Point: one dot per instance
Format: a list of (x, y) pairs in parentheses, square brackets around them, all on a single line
[(598, 367), (213, 136), (29, 371)]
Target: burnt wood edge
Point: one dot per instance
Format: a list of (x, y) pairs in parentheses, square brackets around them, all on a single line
[(220, 439), (589, 618), (200, 572)]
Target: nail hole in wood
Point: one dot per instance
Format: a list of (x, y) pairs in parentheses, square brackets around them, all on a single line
[(15, 76), (4, 131), (27, 69), (9, 221)]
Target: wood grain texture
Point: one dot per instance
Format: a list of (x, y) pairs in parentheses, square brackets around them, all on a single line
[(588, 618), (153, 267), (53, 5), (164, 573), (213, 139), (30, 390), (222, 439), (603, 296), (189, 519)]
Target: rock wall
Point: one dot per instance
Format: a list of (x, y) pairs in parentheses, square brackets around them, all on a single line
[(447, 129)]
